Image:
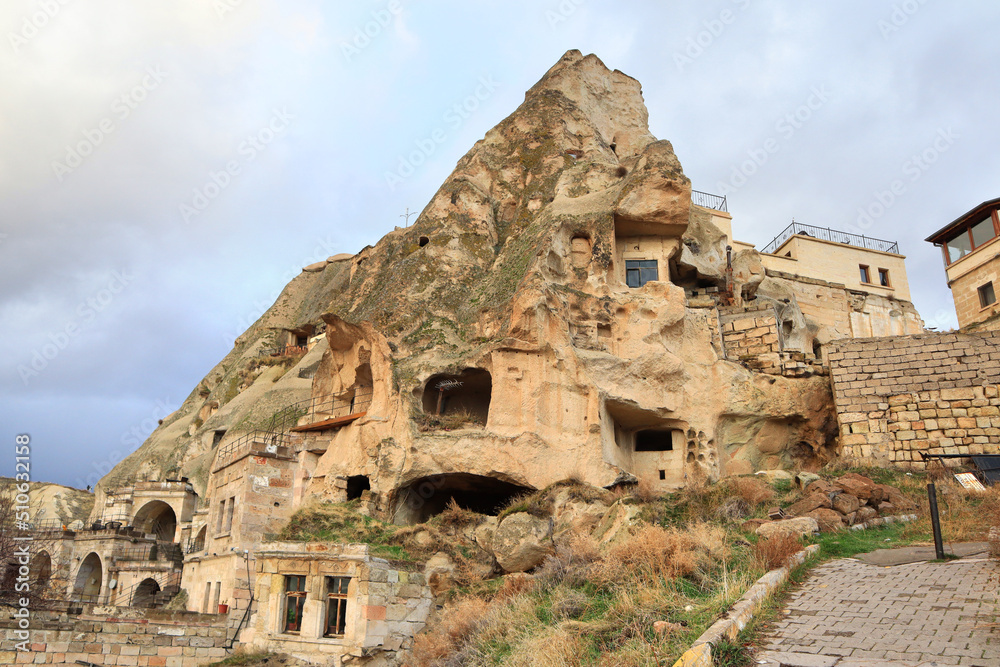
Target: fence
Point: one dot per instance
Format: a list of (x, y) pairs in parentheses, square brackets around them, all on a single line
[(717, 202), (827, 234), (277, 432)]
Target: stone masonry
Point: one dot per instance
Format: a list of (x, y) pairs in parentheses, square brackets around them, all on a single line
[(151, 639), (930, 393), (752, 337)]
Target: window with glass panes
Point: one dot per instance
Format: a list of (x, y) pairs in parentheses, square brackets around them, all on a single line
[(295, 600), (972, 236), (638, 272), (336, 605)]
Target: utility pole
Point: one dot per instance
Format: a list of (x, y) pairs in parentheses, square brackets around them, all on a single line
[(407, 215)]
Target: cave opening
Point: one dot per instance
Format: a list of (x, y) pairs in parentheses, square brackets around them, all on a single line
[(356, 485), (428, 496), (465, 395)]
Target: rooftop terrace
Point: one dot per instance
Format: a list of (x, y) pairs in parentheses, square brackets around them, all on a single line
[(827, 234)]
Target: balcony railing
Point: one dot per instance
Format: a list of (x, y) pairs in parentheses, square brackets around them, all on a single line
[(717, 202), (827, 234), (277, 432)]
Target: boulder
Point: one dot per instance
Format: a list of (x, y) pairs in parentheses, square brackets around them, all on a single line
[(820, 486), (484, 534), (811, 502), (439, 572), (858, 486), (804, 479), (896, 497), (865, 514), (845, 503), (829, 520), (887, 509), (802, 526), (521, 542), (772, 476), (616, 522)]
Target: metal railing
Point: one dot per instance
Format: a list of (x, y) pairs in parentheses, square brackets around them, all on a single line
[(127, 597), (277, 432), (717, 202), (827, 234)]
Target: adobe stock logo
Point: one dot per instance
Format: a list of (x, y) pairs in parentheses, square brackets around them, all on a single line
[(121, 108), (364, 35), (86, 312), (252, 146), (455, 117)]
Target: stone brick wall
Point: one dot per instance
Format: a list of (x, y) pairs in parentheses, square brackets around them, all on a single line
[(965, 291), (159, 639), (932, 393), (752, 337)]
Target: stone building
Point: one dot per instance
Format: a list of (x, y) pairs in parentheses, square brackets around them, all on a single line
[(971, 263)]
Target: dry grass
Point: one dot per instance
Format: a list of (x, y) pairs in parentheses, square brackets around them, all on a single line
[(776, 551), (752, 490)]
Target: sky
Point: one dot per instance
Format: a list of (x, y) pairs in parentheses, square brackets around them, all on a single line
[(166, 168)]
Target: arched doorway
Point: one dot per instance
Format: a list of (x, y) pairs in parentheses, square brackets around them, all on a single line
[(198, 543), (89, 579), (145, 593), (41, 571), (158, 518)]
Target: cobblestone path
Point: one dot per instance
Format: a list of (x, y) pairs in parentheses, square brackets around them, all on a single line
[(848, 613)]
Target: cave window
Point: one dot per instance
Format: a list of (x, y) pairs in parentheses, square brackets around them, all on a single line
[(663, 474), (423, 241), (356, 485), (301, 340), (654, 441), (467, 393), (336, 606), (217, 437), (638, 272)]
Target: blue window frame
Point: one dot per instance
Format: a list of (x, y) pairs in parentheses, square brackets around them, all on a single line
[(638, 272)]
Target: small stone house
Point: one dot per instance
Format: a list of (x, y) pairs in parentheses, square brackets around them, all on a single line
[(319, 601)]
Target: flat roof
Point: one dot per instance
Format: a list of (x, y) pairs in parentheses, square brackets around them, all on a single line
[(940, 236)]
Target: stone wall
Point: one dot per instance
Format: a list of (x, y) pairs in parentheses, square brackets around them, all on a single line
[(931, 393), (752, 337), (156, 639), (965, 288)]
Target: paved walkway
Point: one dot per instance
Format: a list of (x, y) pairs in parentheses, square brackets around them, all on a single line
[(851, 614)]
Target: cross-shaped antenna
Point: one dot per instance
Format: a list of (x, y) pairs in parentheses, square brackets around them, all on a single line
[(407, 216)]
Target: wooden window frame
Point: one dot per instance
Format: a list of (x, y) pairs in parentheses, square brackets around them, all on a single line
[(336, 599), (299, 598), (967, 230), (888, 280), (865, 274)]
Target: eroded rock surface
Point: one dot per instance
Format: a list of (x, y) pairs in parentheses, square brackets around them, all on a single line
[(496, 346)]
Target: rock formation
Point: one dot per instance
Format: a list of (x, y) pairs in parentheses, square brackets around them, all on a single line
[(495, 346)]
